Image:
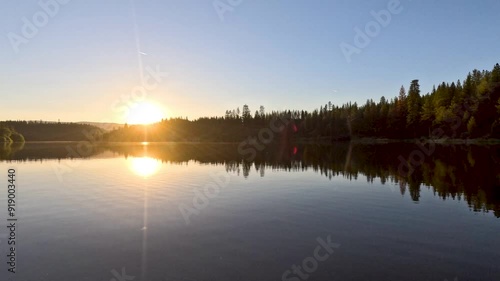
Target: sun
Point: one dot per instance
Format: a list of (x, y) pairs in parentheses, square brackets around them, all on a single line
[(145, 113)]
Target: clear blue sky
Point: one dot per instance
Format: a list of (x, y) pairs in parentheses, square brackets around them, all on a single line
[(280, 54)]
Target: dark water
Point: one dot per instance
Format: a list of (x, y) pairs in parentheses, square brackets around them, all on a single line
[(202, 212)]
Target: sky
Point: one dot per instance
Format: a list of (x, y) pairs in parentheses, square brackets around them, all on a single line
[(95, 60)]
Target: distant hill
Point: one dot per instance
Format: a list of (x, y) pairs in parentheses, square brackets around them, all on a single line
[(53, 131), (104, 126)]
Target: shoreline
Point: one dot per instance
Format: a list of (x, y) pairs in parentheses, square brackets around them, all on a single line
[(478, 141)]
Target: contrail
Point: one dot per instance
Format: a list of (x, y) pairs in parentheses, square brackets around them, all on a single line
[(137, 42)]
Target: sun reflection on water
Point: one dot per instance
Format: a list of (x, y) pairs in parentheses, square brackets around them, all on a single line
[(144, 166)]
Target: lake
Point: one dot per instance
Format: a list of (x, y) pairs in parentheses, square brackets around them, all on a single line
[(183, 212)]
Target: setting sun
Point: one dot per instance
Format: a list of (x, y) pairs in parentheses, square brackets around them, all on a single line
[(145, 113)]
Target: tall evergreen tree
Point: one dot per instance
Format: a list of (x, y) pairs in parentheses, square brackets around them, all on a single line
[(413, 103)]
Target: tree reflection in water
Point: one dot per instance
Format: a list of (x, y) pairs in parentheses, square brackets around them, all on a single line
[(470, 173)]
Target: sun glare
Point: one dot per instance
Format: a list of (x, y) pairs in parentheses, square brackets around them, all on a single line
[(144, 166), (145, 113)]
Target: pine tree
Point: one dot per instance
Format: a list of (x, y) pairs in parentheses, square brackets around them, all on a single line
[(246, 114), (495, 75), (413, 103), (402, 100)]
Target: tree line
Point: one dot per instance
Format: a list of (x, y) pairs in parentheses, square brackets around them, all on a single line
[(51, 131), (462, 109)]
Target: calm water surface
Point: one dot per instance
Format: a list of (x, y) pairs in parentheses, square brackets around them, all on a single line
[(201, 212)]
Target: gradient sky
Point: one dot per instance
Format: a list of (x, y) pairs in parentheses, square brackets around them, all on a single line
[(280, 54)]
